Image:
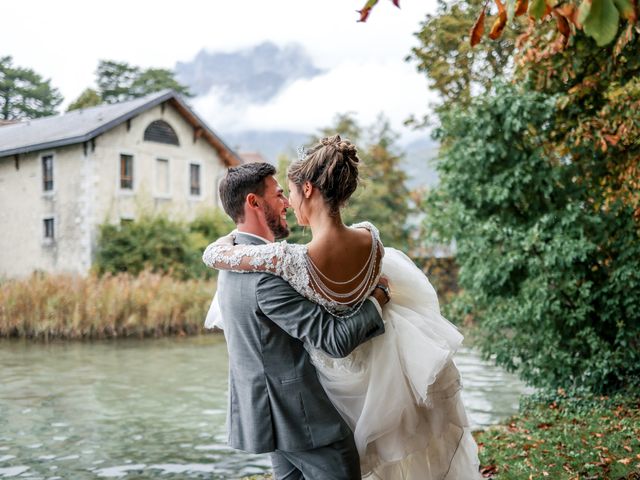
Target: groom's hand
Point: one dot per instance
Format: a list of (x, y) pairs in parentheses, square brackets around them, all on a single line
[(381, 292)]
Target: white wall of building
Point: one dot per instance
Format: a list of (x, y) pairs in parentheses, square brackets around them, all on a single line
[(87, 193)]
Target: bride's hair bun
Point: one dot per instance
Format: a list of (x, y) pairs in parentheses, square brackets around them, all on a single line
[(332, 167)]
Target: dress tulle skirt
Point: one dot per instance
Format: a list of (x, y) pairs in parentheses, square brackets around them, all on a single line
[(400, 392)]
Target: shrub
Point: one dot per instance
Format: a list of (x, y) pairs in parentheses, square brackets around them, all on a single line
[(551, 273), (160, 245)]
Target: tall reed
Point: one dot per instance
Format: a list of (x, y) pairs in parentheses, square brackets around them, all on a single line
[(68, 306)]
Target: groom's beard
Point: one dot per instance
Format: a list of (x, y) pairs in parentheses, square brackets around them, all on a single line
[(274, 222)]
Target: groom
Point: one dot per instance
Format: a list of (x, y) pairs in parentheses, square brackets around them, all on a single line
[(276, 402)]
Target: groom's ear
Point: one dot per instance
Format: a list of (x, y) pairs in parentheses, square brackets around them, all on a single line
[(251, 201)]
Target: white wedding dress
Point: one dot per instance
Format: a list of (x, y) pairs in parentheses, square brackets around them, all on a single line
[(399, 392)]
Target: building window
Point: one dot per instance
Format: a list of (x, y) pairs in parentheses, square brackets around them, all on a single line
[(194, 179), (161, 132), (49, 233), (162, 176), (126, 172), (47, 173)]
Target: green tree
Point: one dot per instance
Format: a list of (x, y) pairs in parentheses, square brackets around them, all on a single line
[(24, 93), (115, 80), (382, 196), (552, 277), (88, 98), (119, 81), (455, 69)]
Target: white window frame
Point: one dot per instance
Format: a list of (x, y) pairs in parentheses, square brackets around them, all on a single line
[(156, 193), (134, 173), (47, 240), (200, 196), (48, 193)]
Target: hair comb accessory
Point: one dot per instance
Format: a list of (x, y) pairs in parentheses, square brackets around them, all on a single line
[(302, 152)]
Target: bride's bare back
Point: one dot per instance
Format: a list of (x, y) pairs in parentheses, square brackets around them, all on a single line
[(346, 262)]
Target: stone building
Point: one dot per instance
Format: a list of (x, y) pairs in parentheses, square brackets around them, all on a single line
[(62, 176)]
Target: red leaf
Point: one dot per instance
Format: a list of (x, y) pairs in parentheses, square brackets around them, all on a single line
[(478, 29), (563, 25), (489, 471), (521, 7), (499, 24), (366, 10), (396, 3)]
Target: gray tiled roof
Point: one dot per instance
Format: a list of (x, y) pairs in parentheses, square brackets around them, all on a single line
[(81, 125)]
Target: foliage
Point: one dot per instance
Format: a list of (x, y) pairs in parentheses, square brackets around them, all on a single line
[(88, 98), (596, 122), (119, 81), (152, 243), (456, 70), (552, 277), (366, 10), (566, 439), (73, 307), (382, 196), (598, 19), (209, 225), (24, 93)]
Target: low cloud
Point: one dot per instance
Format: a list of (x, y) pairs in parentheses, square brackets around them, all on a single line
[(366, 89)]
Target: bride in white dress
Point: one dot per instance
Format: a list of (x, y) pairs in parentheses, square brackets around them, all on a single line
[(399, 392)]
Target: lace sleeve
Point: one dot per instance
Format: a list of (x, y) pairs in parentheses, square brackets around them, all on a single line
[(244, 258)]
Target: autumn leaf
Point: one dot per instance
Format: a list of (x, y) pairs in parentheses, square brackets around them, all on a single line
[(396, 3), (478, 29), (500, 22), (364, 13), (568, 11), (563, 25), (521, 7)]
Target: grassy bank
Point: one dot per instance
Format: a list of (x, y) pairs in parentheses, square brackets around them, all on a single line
[(74, 307), (563, 439), (566, 439)]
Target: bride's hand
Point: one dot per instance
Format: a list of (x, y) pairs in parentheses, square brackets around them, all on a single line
[(381, 292)]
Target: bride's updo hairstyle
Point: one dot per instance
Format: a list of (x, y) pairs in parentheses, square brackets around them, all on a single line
[(331, 166)]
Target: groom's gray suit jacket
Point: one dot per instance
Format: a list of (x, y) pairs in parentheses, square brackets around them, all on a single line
[(275, 398)]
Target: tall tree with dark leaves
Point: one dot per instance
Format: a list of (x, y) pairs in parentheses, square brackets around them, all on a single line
[(382, 196), (119, 81), (454, 68), (24, 93), (88, 98)]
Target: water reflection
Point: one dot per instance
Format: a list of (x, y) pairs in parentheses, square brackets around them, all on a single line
[(148, 409)]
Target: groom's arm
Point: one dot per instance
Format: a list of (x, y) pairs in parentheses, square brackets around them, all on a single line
[(309, 322)]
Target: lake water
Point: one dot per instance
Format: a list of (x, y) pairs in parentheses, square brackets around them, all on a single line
[(142, 409)]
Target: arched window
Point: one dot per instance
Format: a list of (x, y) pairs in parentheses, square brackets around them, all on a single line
[(161, 131)]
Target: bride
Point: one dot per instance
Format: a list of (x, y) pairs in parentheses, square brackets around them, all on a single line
[(399, 392)]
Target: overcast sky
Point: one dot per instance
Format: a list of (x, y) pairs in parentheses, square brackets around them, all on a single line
[(365, 68)]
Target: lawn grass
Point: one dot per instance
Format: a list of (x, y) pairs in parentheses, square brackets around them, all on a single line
[(579, 438), (564, 438)]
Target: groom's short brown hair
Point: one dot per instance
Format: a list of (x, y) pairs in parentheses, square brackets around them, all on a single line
[(240, 182)]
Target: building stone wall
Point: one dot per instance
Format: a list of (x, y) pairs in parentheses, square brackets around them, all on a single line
[(87, 193), (25, 205)]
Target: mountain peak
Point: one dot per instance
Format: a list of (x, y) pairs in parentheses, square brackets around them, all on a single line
[(255, 74)]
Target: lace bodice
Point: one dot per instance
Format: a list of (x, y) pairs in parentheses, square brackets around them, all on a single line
[(285, 260)]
